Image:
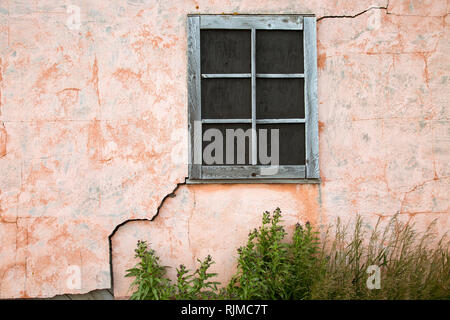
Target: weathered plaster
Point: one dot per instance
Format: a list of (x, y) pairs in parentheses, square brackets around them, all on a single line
[(93, 131)]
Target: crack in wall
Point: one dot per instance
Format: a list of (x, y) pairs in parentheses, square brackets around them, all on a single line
[(189, 226), (413, 189), (378, 8), (169, 195), (356, 15)]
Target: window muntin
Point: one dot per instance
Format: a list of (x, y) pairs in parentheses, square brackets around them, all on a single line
[(241, 70)]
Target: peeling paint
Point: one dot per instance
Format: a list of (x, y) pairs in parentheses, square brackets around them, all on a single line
[(3, 136), (87, 120)]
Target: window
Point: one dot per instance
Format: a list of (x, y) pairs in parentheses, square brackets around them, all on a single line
[(252, 95)]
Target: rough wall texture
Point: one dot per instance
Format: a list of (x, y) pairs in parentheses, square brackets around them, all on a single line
[(93, 126)]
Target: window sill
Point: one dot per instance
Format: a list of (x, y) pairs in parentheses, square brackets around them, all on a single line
[(253, 181)]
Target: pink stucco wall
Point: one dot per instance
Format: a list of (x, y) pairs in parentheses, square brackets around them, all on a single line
[(93, 129)]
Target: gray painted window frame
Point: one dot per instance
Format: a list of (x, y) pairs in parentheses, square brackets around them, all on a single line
[(198, 173)]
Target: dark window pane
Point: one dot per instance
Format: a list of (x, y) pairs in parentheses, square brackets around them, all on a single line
[(225, 51), (280, 98), (279, 51), (291, 143), (235, 138), (226, 99)]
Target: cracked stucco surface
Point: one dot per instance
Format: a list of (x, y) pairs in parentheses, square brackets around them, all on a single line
[(93, 127)]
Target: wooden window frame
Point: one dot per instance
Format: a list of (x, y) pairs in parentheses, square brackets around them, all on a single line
[(198, 173)]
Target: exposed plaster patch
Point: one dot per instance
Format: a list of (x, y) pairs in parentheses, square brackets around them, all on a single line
[(1, 80), (97, 294), (94, 80), (3, 136)]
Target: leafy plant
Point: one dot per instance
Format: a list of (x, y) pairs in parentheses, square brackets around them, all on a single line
[(331, 265), (307, 267), (269, 268), (262, 263), (151, 282), (196, 286)]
